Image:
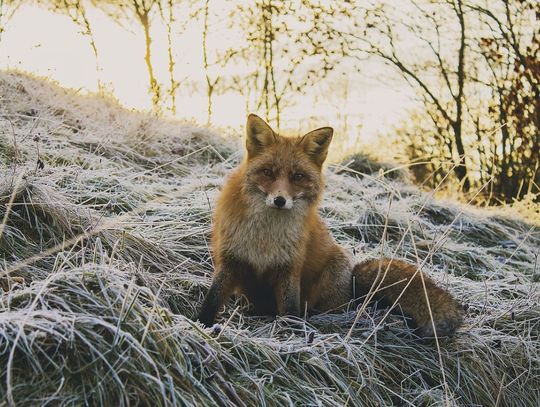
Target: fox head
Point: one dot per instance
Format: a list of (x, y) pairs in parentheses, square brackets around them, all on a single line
[(284, 172)]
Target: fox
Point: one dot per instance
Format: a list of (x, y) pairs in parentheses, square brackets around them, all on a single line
[(270, 244)]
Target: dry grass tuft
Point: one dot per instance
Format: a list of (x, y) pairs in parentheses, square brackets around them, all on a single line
[(104, 261)]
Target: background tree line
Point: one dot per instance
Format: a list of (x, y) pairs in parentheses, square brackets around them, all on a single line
[(473, 64), (476, 70)]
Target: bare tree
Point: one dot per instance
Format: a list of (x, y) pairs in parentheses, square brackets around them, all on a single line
[(7, 10), (438, 74), (511, 52), (76, 11), (289, 47), (169, 20), (475, 66), (211, 82), (214, 56), (141, 11)]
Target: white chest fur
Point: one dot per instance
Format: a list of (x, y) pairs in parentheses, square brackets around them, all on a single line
[(266, 239)]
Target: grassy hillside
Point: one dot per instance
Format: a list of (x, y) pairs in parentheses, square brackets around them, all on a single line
[(104, 259)]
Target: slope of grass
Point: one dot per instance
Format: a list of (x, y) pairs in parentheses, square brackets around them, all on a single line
[(104, 259)]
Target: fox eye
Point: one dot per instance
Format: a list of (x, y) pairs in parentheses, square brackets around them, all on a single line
[(298, 176), (267, 172)]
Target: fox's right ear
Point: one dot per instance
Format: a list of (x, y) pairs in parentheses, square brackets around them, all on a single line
[(259, 135)]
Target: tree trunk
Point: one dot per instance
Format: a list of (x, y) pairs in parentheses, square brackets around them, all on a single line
[(209, 85), (154, 86), (174, 83), (93, 45), (267, 16), (461, 169)]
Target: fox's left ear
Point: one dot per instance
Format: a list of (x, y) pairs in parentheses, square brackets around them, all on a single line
[(316, 143)]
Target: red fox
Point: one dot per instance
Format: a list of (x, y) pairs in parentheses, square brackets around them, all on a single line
[(270, 244)]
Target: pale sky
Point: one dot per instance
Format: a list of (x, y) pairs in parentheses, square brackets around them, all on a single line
[(38, 41)]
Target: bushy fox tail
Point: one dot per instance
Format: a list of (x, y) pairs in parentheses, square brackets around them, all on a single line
[(395, 281)]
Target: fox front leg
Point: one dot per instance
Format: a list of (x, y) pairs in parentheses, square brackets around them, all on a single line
[(288, 294), (220, 291)]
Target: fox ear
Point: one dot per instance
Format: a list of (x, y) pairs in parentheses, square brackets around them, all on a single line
[(259, 135), (316, 143)]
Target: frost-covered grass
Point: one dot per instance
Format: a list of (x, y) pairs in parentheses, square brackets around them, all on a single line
[(105, 219)]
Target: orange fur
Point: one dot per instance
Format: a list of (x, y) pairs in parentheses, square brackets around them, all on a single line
[(270, 244)]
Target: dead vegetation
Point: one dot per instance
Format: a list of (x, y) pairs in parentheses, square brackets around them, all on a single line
[(104, 260)]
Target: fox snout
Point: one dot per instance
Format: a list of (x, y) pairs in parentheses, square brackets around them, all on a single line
[(279, 200), (279, 194)]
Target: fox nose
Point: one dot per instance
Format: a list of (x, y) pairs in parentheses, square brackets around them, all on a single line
[(279, 201)]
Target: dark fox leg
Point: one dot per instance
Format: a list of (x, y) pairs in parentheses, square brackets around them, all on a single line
[(260, 293), (288, 300), (386, 280), (220, 291), (287, 292)]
